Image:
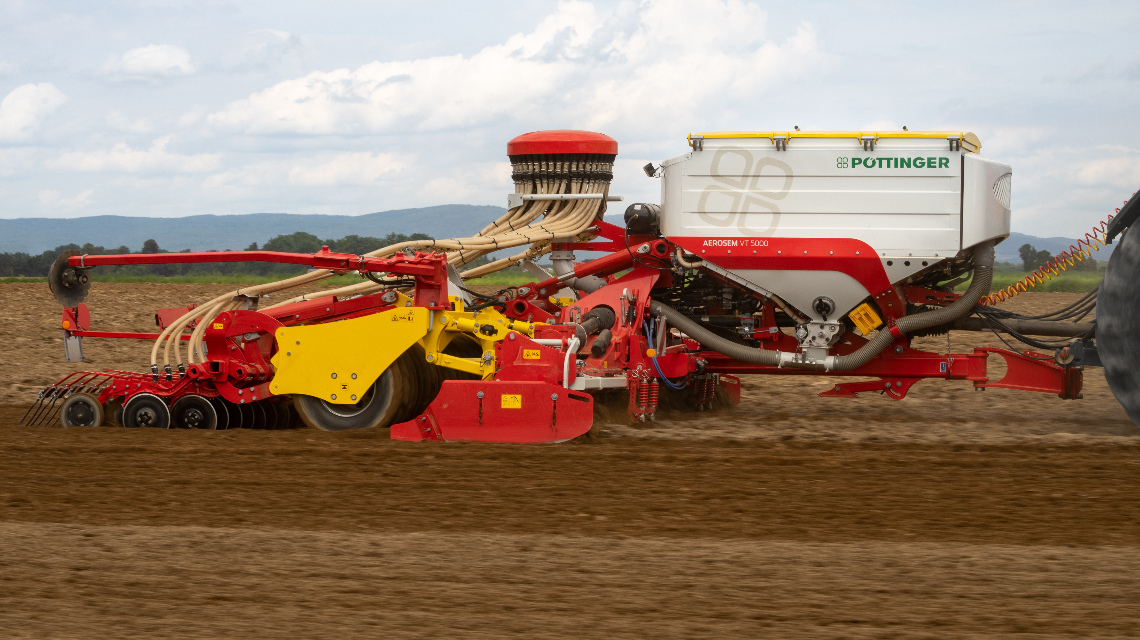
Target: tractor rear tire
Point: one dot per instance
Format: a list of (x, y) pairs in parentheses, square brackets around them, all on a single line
[(377, 408), (1118, 323)]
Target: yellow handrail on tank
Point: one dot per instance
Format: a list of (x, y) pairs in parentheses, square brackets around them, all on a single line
[(968, 139)]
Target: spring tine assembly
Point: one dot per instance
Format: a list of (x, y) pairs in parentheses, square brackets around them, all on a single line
[(47, 405), (36, 405)]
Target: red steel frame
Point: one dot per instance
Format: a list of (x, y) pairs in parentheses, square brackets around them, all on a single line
[(897, 368)]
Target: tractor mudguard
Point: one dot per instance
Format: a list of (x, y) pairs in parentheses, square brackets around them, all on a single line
[(339, 361)]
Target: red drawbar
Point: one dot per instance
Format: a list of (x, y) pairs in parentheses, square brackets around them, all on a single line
[(562, 141)]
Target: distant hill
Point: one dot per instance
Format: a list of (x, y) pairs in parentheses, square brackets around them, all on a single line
[(206, 232), (1007, 250)]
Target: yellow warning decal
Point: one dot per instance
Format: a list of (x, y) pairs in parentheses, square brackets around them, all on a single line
[(865, 318), (219, 326), (532, 354), (511, 401)]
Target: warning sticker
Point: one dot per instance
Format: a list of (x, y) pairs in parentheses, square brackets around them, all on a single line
[(532, 354), (511, 401), (219, 326)]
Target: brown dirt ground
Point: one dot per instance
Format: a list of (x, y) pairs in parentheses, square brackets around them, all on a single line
[(949, 514)]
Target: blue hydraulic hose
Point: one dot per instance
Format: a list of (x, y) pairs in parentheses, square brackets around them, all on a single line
[(660, 373)]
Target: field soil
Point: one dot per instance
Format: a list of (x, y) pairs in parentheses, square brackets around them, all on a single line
[(951, 513)]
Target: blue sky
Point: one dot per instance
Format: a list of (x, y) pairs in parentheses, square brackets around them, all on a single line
[(179, 108)]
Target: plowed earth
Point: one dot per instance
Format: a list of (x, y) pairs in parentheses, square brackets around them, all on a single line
[(951, 513)]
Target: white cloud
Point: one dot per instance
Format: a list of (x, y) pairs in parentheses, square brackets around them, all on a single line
[(54, 200), (584, 65), (152, 62), (1005, 140), (1121, 171), (118, 121), (23, 110), (267, 48), (324, 170), (347, 168), (122, 158), (18, 160)]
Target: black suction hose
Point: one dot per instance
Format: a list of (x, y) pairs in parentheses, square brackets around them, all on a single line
[(979, 287)]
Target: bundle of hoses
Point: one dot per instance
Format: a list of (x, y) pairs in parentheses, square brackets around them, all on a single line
[(979, 287), (541, 166)]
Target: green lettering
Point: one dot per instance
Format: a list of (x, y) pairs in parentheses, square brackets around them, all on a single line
[(932, 163), (884, 160), (944, 163), (904, 163), (919, 163), (856, 162)]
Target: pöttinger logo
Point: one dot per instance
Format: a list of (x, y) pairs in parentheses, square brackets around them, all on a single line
[(841, 163)]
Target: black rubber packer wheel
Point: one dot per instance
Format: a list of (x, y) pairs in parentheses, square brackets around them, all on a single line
[(146, 410), (194, 412), (376, 408), (1118, 323), (222, 412), (81, 410), (248, 416)]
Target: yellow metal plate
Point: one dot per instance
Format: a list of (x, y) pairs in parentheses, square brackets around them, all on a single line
[(865, 318), (344, 358)]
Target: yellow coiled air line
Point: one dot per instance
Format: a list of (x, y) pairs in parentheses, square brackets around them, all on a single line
[(1084, 247)]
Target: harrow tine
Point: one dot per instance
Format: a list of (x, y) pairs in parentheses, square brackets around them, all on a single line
[(56, 406), (38, 403), (82, 383), (45, 414), (46, 405)]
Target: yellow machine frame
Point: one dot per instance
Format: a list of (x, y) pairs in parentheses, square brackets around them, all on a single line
[(339, 361)]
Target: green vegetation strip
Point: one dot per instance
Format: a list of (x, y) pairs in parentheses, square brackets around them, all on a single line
[(1067, 282)]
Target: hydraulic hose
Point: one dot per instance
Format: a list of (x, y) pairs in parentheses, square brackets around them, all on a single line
[(979, 287), (710, 340)]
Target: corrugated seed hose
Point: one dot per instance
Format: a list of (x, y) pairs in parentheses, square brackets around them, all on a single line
[(535, 223)]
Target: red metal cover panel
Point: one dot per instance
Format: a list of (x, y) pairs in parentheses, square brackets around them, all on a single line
[(562, 141), (501, 411)]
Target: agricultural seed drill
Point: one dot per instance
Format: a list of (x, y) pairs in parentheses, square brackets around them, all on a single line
[(805, 253)]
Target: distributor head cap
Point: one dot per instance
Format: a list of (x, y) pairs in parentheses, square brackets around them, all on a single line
[(562, 153), (562, 141)]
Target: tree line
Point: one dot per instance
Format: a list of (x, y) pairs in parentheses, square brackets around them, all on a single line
[(27, 265), (1032, 259), (37, 266)]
